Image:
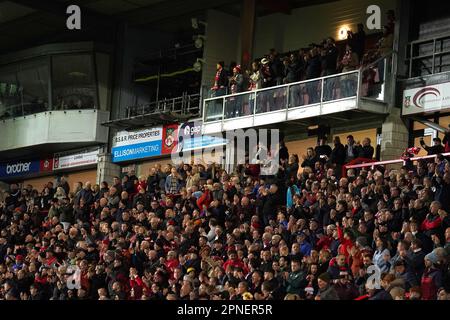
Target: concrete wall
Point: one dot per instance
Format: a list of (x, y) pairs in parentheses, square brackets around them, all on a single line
[(133, 43), (54, 127), (394, 136), (222, 43), (106, 170)]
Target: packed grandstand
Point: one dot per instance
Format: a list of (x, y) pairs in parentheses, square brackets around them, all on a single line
[(330, 222), (195, 231)]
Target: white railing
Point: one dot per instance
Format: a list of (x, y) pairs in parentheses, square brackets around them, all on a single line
[(313, 92), (395, 161)]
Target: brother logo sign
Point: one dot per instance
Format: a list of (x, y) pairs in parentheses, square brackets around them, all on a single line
[(21, 167)]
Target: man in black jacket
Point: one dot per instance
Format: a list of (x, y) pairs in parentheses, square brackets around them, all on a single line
[(292, 69), (323, 149), (220, 80), (276, 67), (417, 259), (329, 67), (313, 69), (436, 149), (338, 155), (270, 202), (292, 74), (366, 151)]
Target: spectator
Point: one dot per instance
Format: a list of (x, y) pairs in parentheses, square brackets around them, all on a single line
[(432, 277), (323, 149), (366, 150), (310, 159), (437, 148), (172, 185), (220, 81), (312, 71), (351, 149), (326, 290), (329, 67), (349, 63), (85, 194), (357, 41), (234, 105)]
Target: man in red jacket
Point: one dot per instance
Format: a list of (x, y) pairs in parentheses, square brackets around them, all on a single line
[(234, 261), (433, 219)]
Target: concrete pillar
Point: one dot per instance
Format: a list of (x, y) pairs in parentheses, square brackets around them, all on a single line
[(394, 136), (106, 170), (248, 16)]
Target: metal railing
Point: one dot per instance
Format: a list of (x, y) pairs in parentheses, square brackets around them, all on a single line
[(186, 104), (366, 82), (429, 56), (395, 161)]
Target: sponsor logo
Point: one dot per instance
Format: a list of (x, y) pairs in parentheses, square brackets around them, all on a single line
[(20, 167), (419, 98)]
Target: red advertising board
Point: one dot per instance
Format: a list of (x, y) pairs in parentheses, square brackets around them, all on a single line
[(169, 138)]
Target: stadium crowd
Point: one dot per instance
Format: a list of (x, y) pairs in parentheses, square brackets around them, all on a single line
[(198, 232)]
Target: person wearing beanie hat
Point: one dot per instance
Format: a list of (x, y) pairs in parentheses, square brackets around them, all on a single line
[(432, 257), (19, 262), (326, 291), (432, 277)]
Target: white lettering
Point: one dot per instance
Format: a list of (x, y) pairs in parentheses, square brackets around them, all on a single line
[(20, 167), (374, 20), (74, 20)]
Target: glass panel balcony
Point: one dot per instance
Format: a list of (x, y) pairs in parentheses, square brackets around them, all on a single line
[(362, 89), (239, 105)]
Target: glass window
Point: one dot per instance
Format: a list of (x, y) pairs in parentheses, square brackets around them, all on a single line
[(33, 78), (73, 82), (24, 88), (9, 93)]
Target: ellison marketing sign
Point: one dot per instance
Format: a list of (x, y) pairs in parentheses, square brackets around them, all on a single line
[(131, 145), (19, 168)]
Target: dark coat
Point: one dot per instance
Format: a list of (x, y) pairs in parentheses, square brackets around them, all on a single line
[(366, 152), (338, 154), (313, 68)]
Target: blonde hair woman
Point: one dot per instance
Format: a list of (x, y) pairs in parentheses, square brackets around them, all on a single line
[(60, 193)]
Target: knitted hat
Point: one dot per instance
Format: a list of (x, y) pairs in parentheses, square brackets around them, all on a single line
[(325, 277), (362, 241), (432, 256)]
